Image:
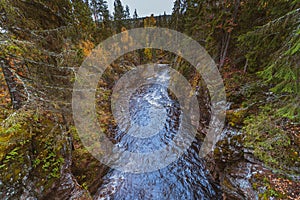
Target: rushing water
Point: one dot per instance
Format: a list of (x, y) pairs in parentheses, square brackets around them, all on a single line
[(185, 178)]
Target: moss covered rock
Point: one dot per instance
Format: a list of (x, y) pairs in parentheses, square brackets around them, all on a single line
[(236, 117), (35, 157)]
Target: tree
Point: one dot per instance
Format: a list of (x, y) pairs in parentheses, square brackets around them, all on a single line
[(150, 21), (165, 21), (127, 21), (177, 15), (100, 10), (278, 56), (136, 21), (148, 52), (41, 48), (102, 18), (39, 55), (212, 23), (82, 19), (135, 15), (119, 15), (127, 12)]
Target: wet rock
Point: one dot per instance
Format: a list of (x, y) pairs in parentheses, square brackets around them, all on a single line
[(233, 171), (236, 181), (35, 158), (229, 147), (243, 176), (67, 187)]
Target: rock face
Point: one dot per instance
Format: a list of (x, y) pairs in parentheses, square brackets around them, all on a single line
[(236, 181), (67, 187), (243, 176), (235, 173), (35, 160)]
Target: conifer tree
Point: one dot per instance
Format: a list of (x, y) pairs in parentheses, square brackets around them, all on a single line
[(136, 22), (135, 15), (127, 12), (177, 15), (102, 18), (99, 9), (40, 43), (277, 57), (119, 15), (127, 21)]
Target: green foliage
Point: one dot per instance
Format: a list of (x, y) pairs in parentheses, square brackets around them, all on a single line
[(12, 155), (102, 18), (274, 53), (289, 109), (119, 15), (268, 141), (13, 129), (85, 167), (82, 21), (177, 16), (48, 35), (269, 191), (51, 163), (85, 186), (31, 144), (100, 10)]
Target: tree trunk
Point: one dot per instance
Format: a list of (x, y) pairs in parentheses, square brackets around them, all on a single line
[(227, 37), (225, 49), (15, 96)]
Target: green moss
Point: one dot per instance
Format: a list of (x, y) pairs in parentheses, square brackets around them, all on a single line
[(270, 143), (86, 169), (236, 117), (270, 191), (31, 144)]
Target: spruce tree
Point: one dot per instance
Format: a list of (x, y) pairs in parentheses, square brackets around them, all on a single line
[(98, 7), (127, 12), (40, 43), (136, 21), (119, 15), (277, 57), (177, 15), (135, 15), (102, 18)]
